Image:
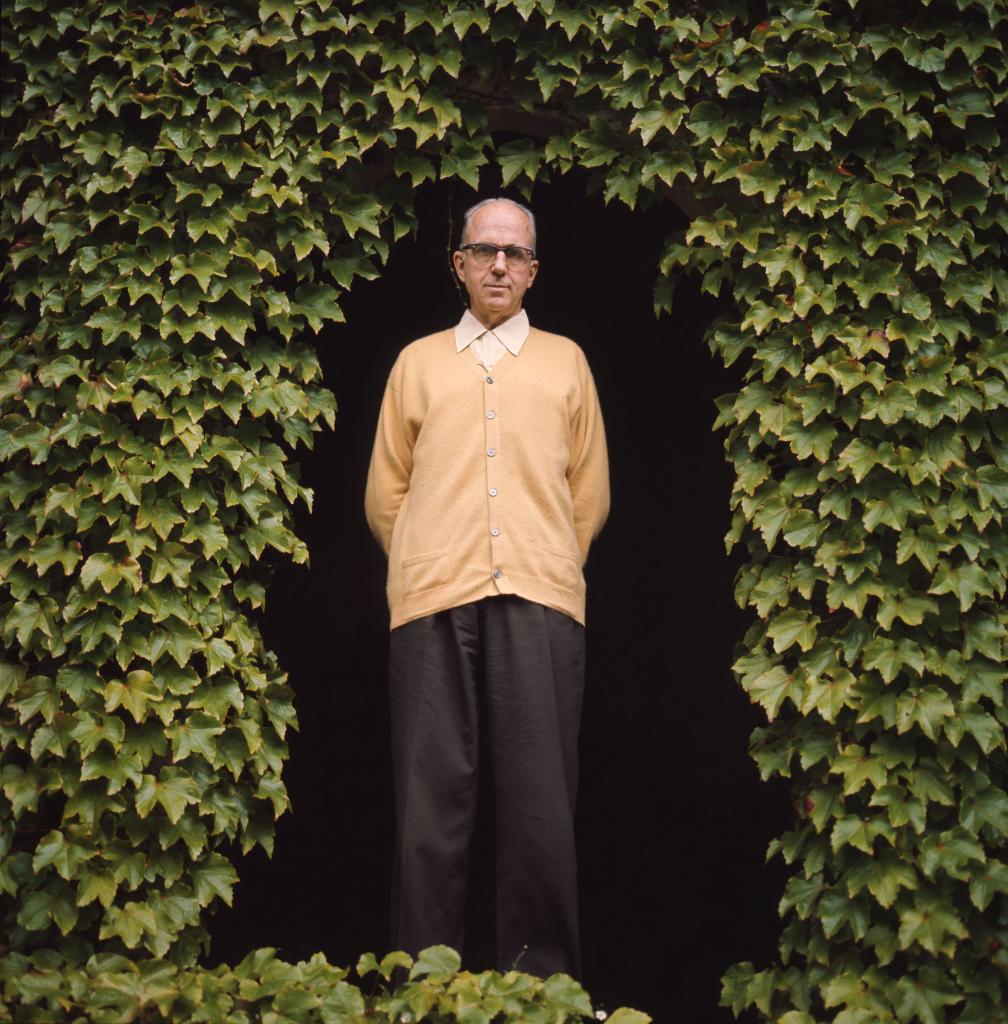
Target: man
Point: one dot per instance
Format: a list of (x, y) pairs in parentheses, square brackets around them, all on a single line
[(488, 481)]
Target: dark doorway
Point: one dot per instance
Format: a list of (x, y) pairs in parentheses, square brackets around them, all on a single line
[(673, 821)]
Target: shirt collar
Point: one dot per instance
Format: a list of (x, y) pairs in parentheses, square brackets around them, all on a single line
[(512, 333)]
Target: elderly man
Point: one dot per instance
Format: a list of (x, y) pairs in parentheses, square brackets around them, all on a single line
[(489, 480)]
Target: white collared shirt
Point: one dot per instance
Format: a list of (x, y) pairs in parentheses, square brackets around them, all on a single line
[(489, 345)]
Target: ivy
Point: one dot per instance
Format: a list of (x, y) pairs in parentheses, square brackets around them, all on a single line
[(186, 195), (264, 989)]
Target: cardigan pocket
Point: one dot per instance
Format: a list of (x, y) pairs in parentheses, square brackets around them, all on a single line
[(560, 569), (421, 572)]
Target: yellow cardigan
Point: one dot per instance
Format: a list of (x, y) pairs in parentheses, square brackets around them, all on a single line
[(484, 483)]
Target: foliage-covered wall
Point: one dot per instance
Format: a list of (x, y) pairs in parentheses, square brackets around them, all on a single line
[(186, 191)]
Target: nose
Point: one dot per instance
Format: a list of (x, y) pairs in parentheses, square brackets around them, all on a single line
[(500, 263)]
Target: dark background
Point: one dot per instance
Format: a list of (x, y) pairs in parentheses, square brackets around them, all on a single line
[(673, 821)]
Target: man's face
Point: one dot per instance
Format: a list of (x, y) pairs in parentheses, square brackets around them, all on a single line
[(497, 289)]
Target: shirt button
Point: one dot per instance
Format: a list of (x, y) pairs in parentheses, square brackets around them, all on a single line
[(497, 574), (493, 492), (491, 451), (490, 414), (495, 532), (489, 380)]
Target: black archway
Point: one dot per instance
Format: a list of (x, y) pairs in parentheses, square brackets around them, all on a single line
[(673, 821)]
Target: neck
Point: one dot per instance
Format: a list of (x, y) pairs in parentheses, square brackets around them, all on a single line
[(492, 320)]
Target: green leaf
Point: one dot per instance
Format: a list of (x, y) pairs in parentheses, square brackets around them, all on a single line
[(104, 569), (359, 213), (707, 122), (197, 734), (318, 303), (884, 876), (790, 627), (924, 994), (770, 689), (867, 200), (28, 617), (927, 708), (203, 266), (96, 885), (65, 852), (439, 963), (173, 790), (986, 883), (214, 877), (967, 581), (837, 909), (134, 694), (517, 159), (128, 923), (653, 119), (931, 924)]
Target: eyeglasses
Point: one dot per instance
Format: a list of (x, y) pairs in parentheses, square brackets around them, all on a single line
[(484, 253)]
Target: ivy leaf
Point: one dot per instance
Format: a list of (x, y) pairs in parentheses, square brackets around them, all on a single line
[(161, 515), (932, 924), (927, 708), (173, 790), (889, 658), (438, 963), (203, 266), (924, 995), (42, 906), (197, 734), (967, 581), (518, 158), (790, 627), (318, 303), (884, 876), (770, 688), (96, 885), (653, 119), (987, 882), (954, 851), (28, 617), (902, 807), (707, 122), (213, 877), (134, 694), (104, 569), (837, 909), (867, 200), (359, 213), (64, 852), (987, 808), (907, 608), (128, 923)]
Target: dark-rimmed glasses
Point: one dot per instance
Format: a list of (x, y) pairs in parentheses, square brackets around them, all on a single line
[(485, 253)]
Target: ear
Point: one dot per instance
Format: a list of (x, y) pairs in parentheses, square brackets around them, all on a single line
[(533, 270), (458, 258)]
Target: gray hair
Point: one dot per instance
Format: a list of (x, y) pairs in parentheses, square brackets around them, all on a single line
[(468, 215)]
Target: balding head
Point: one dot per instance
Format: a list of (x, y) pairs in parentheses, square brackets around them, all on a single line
[(468, 217)]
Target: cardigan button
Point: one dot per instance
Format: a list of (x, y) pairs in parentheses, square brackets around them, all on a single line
[(491, 451), (495, 532), (490, 414), (493, 492), (489, 380), (497, 574)]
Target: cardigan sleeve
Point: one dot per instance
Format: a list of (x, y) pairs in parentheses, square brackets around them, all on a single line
[(390, 468), (588, 470)]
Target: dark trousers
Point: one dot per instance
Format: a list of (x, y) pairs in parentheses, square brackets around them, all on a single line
[(517, 668)]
